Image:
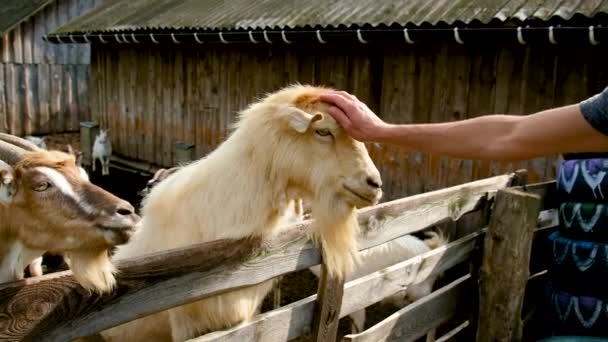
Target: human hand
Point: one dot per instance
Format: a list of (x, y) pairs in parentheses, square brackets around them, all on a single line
[(354, 116)]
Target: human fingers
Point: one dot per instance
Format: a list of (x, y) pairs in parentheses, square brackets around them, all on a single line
[(338, 100), (339, 116)]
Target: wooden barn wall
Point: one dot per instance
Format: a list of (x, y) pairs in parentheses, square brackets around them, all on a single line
[(43, 87), (151, 97)]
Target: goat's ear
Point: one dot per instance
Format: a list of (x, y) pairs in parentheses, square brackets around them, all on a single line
[(300, 120), (7, 184)]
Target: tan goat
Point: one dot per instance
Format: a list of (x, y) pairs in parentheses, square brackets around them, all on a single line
[(284, 147)]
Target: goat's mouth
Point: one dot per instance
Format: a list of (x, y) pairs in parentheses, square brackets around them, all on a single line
[(116, 235), (358, 195)]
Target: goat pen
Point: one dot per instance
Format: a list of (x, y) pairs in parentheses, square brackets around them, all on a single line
[(54, 307)]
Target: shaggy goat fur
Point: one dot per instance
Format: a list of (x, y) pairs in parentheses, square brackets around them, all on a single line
[(284, 147)]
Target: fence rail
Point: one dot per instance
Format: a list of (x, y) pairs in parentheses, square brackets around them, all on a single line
[(55, 308)]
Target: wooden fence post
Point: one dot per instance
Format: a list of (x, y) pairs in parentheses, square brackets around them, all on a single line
[(327, 308), (505, 265), (88, 132), (184, 153)]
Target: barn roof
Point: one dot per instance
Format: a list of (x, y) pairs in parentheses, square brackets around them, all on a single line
[(130, 15), (12, 12)]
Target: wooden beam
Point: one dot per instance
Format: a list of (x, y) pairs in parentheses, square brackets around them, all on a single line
[(414, 320), (505, 265), (88, 132), (327, 307), (450, 334), (69, 312), (421, 211), (293, 320)]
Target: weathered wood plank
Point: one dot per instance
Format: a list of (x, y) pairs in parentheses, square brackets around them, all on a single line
[(327, 307), (150, 109), (12, 98), (450, 334), (82, 89), (4, 125), (414, 320), (430, 208), (16, 38), (57, 99), (72, 97), (50, 50), (63, 53), (29, 115), (44, 98), (141, 123), (6, 47), (130, 79), (505, 265), (177, 110), (27, 38), (291, 321), (39, 45)]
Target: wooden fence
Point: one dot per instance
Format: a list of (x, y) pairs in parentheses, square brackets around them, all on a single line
[(55, 308)]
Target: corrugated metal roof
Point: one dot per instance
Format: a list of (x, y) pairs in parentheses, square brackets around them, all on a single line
[(12, 12), (127, 15)]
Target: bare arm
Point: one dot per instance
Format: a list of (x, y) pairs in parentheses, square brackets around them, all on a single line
[(490, 137)]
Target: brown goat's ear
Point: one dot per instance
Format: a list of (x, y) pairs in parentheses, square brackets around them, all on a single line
[(300, 120), (7, 184)]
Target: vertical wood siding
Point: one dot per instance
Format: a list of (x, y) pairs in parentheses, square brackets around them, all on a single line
[(152, 97), (44, 87)]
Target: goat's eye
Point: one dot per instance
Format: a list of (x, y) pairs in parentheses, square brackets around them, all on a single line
[(323, 132), (42, 186)]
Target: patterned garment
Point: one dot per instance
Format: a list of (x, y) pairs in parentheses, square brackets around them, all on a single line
[(583, 180), (568, 314), (584, 221), (578, 266)]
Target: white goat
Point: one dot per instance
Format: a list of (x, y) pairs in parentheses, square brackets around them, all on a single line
[(40, 142), (102, 150), (286, 147)]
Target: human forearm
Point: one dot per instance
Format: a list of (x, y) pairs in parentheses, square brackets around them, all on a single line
[(502, 137), (565, 129), (483, 137)]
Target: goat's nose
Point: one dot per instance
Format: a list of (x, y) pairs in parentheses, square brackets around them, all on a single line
[(125, 209), (374, 182)]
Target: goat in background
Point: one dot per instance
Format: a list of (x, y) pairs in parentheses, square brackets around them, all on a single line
[(102, 150)]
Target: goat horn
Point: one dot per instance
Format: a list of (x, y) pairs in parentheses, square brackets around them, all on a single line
[(19, 142), (11, 154)]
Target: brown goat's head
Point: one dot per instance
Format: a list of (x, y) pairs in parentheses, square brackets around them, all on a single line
[(52, 207)]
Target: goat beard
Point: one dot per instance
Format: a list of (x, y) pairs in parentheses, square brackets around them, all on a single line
[(336, 229), (93, 270)]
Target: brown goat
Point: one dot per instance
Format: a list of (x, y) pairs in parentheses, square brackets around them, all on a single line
[(47, 205)]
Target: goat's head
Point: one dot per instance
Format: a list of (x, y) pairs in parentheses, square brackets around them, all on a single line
[(311, 147), (158, 177), (52, 207), (320, 159), (103, 136)]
